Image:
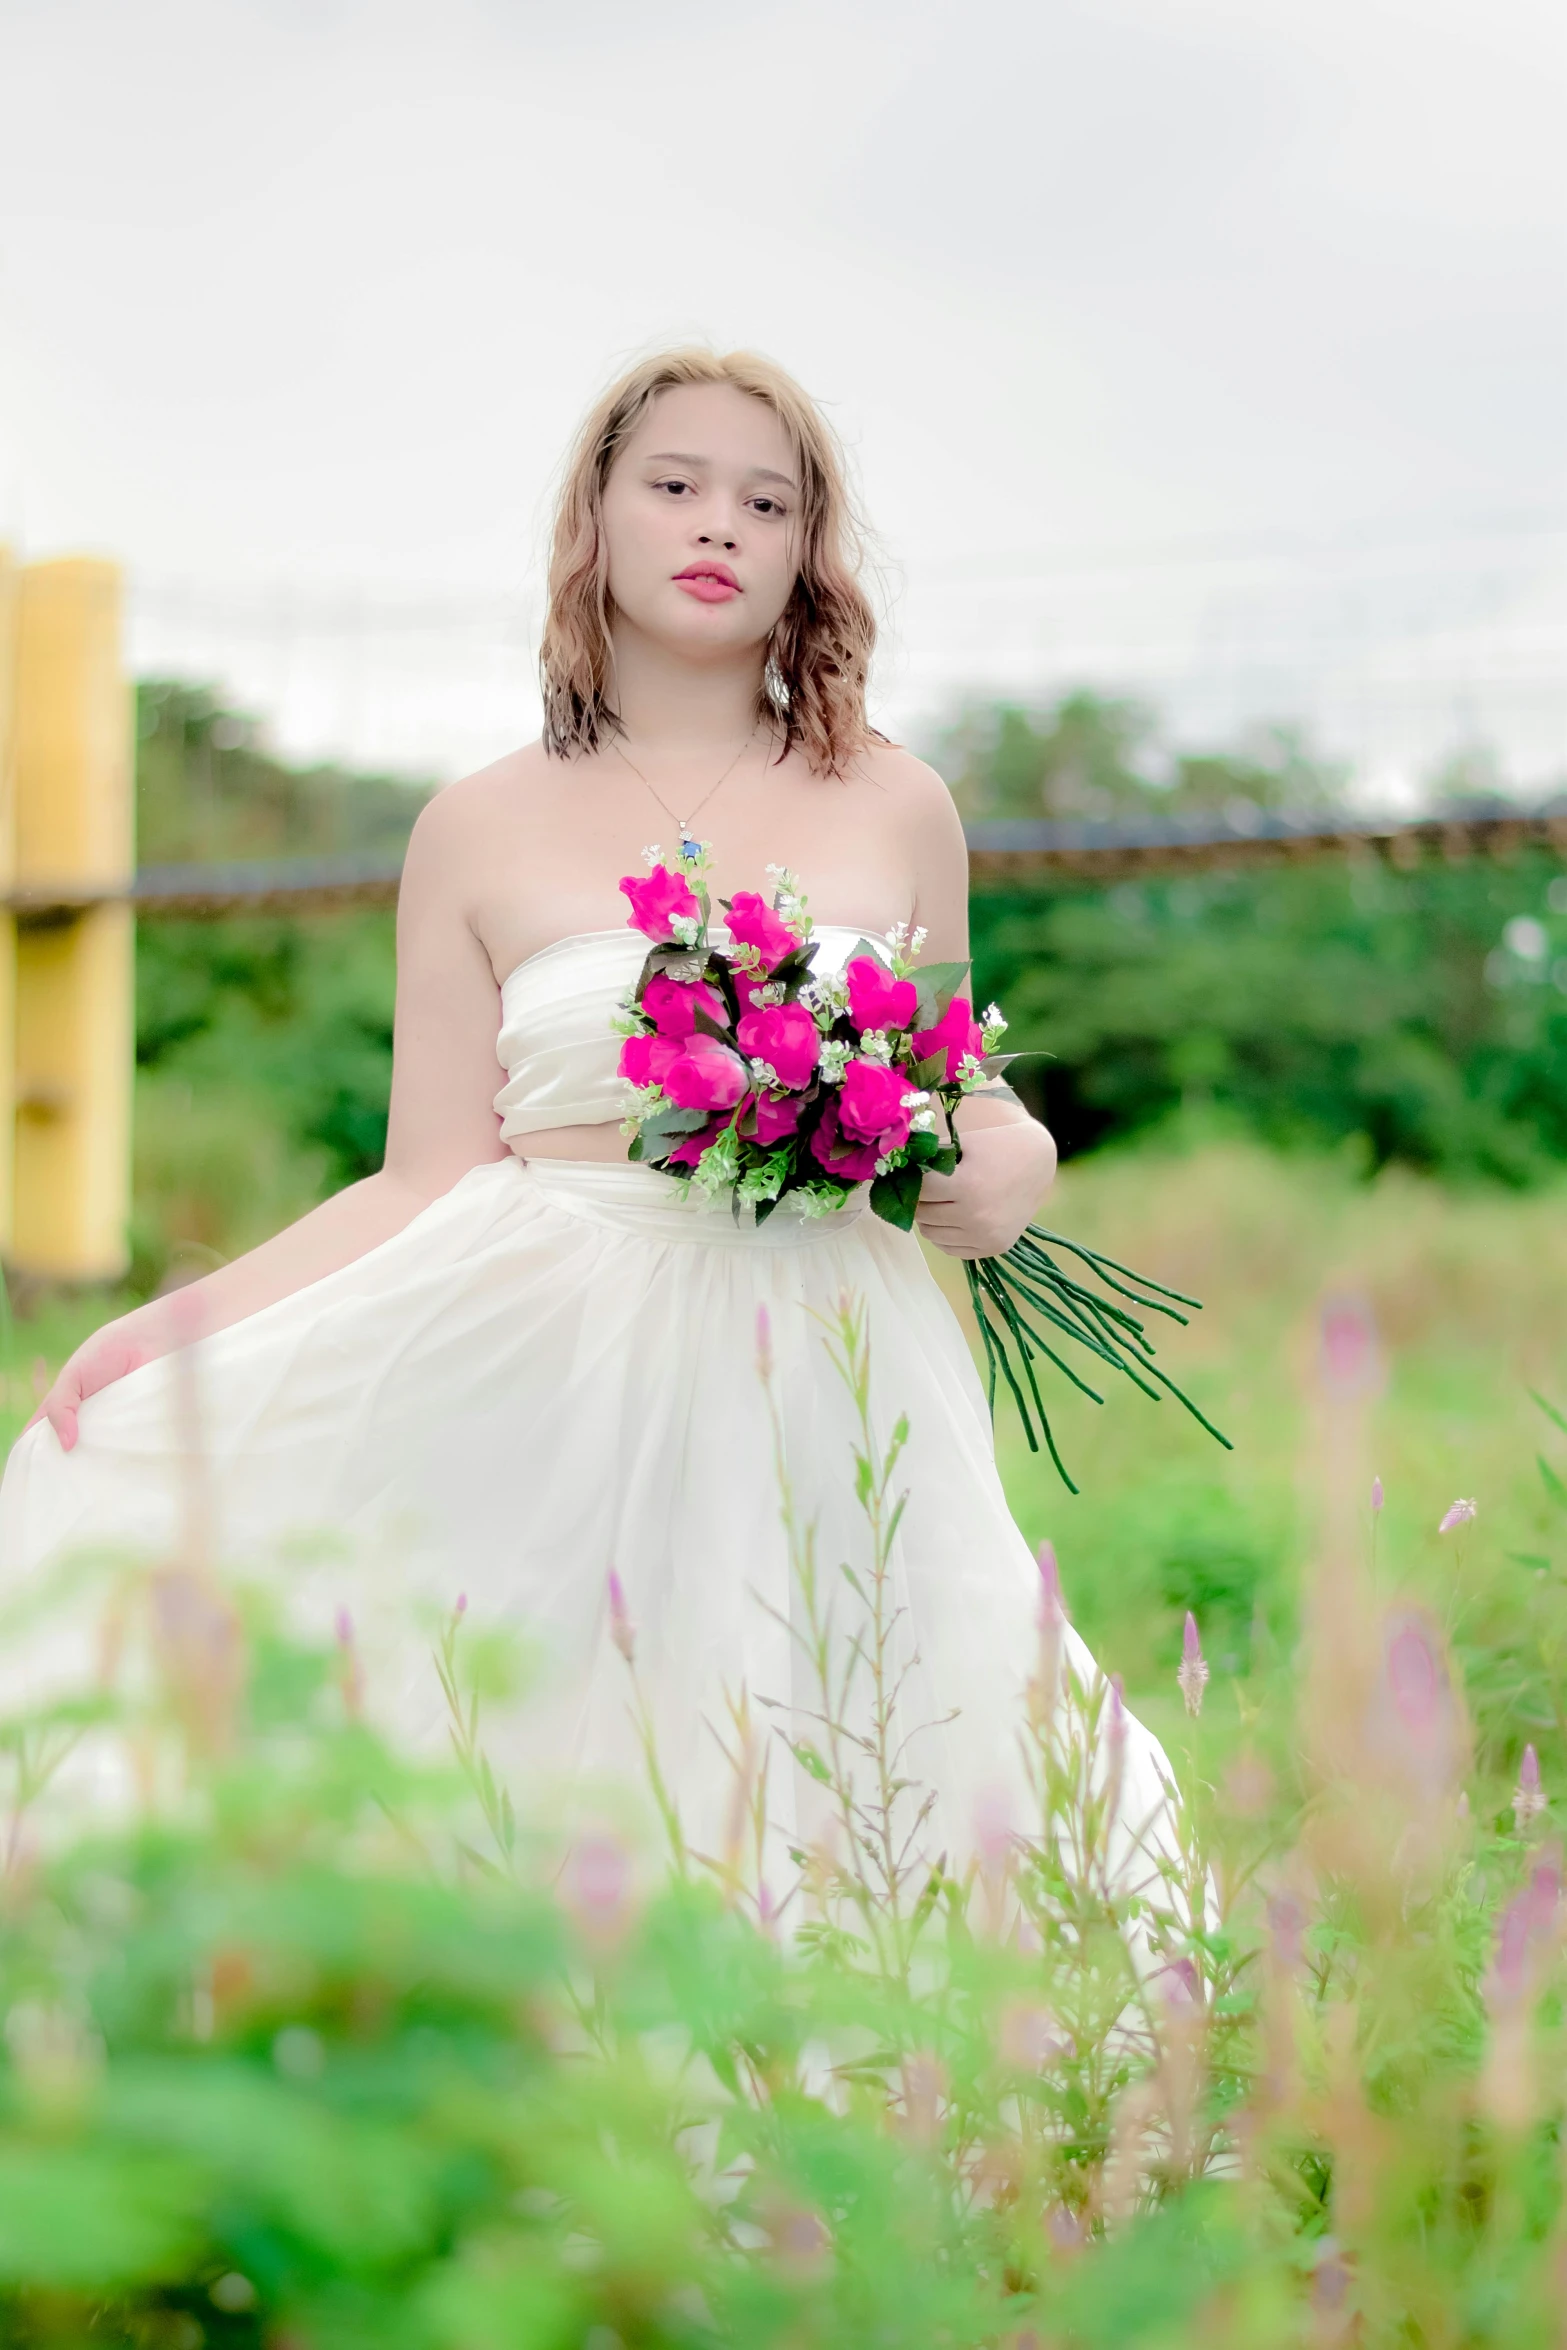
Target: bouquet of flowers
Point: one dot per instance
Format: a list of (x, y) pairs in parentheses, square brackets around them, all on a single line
[(755, 1078)]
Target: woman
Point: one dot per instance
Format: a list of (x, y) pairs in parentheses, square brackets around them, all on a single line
[(511, 1362)]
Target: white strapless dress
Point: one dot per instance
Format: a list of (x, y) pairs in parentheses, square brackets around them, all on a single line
[(552, 1372)]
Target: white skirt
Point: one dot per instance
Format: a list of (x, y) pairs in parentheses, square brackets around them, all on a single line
[(552, 1371)]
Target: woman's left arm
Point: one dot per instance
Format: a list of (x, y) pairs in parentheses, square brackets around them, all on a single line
[(1009, 1159)]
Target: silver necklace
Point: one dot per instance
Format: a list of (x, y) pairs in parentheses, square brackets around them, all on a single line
[(688, 844)]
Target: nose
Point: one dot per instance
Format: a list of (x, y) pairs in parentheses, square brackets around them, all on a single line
[(717, 537)]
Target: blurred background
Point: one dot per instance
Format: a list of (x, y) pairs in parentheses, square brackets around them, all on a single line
[(1204, 374)]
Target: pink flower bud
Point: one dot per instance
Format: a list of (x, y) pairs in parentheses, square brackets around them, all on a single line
[(1192, 1676), (344, 1628), (1457, 1513), (1529, 1797), (462, 1603), (1052, 1609), (764, 1342), (1376, 1496), (619, 1619)]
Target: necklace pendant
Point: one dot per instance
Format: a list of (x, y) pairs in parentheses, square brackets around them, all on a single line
[(688, 847)]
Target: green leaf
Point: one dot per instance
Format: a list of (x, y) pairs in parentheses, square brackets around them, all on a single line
[(669, 1125), (896, 1195), (79, 2218), (806, 1755), (937, 983), (1550, 1411), (1553, 1484)]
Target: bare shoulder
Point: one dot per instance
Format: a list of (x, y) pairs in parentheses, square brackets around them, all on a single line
[(477, 804), (921, 805)]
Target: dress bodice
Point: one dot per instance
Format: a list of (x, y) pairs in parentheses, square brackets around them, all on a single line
[(557, 1043)]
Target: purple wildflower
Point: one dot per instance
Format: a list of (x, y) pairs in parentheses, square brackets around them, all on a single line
[(1457, 1513), (1376, 1496), (1192, 1676), (1529, 1797)]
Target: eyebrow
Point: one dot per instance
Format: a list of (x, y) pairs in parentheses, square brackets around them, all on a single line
[(682, 457)]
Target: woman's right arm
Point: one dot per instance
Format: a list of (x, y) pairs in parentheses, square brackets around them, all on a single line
[(444, 1076)]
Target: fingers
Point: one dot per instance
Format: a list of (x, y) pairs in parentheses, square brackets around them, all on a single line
[(950, 1234), (59, 1408), (936, 1188)]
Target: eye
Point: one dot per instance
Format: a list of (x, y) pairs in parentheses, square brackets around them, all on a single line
[(675, 488), (767, 504)]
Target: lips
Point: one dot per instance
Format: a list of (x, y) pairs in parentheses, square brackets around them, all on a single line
[(710, 583)]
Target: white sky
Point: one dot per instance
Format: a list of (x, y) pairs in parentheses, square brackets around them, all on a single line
[(1216, 349)]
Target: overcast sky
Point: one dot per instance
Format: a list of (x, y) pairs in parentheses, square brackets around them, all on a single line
[(1218, 347)]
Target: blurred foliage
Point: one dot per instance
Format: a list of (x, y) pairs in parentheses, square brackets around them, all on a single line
[(1098, 759), (207, 789), (1421, 1014), (264, 1042), (264, 1046)]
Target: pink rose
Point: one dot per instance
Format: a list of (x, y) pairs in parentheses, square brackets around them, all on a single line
[(775, 1116), (656, 902), (646, 1059), (956, 1033), (854, 1162), (752, 923), (870, 1106), (672, 1004), (784, 1036), (876, 999), (705, 1075)]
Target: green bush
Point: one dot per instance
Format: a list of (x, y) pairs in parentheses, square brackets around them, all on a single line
[(1397, 1011)]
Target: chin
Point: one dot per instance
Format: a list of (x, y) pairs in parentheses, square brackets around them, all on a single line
[(705, 631)]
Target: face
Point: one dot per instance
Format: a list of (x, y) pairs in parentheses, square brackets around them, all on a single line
[(701, 513)]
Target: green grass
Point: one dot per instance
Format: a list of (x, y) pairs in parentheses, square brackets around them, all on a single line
[(1468, 1291)]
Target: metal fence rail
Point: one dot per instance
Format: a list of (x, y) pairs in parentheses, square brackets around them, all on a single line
[(1000, 854)]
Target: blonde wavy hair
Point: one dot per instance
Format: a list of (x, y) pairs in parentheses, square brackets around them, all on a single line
[(818, 657)]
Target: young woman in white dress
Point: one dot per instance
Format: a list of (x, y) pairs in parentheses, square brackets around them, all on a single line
[(511, 1361)]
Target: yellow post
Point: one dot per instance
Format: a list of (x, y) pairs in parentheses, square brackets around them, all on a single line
[(8, 616), (75, 972)]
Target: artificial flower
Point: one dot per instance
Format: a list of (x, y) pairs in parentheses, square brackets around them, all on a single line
[(752, 923), (705, 1075), (956, 1035), (843, 1155), (672, 1004), (775, 1117), (659, 903), (876, 999), (785, 1037), (645, 1060), (871, 1105)]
